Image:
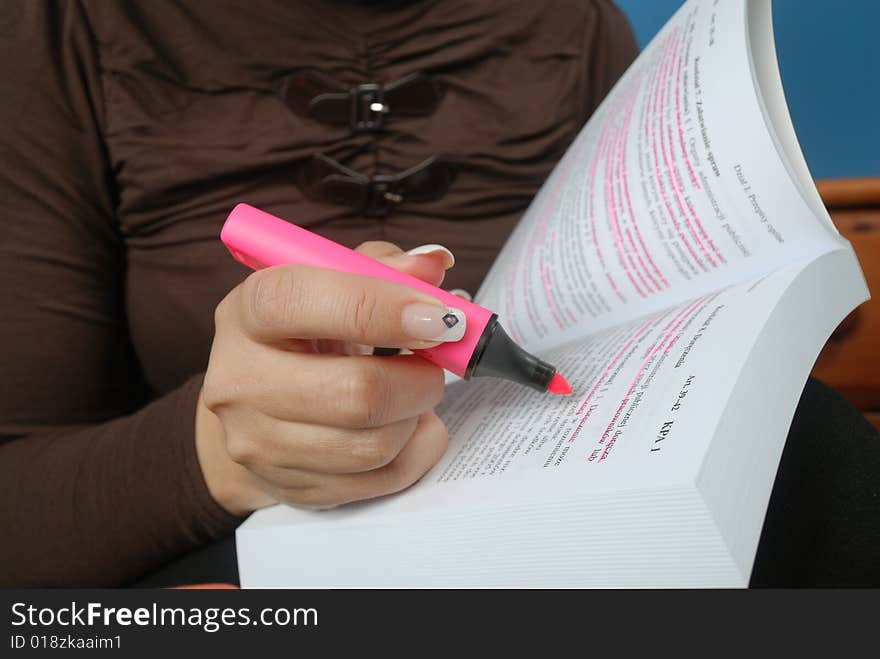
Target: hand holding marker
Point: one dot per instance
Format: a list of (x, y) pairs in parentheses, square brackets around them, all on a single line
[(258, 239)]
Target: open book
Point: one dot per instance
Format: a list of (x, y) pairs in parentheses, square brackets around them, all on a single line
[(679, 268)]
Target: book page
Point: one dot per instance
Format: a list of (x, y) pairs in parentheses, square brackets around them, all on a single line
[(647, 394), (765, 71), (674, 188)]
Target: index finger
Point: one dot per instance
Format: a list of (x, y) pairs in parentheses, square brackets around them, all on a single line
[(302, 302)]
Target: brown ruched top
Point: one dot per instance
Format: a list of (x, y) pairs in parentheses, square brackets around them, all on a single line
[(130, 129)]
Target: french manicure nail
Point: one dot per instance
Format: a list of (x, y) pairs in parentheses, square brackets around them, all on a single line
[(427, 322), (449, 257)]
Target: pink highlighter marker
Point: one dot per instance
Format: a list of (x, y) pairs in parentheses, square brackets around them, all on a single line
[(258, 240)]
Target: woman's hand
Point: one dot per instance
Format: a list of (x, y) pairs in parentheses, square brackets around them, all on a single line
[(287, 412)]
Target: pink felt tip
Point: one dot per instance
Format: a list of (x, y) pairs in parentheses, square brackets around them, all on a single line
[(559, 385)]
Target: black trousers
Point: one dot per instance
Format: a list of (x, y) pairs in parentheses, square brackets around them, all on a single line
[(823, 521)]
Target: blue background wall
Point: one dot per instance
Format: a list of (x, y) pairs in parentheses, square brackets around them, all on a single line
[(829, 59)]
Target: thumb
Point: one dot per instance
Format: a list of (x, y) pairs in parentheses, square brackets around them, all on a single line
[(426, 262)]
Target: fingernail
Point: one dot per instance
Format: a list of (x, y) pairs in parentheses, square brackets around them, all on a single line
[(427, 322), (448, 257), (460, 292)]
